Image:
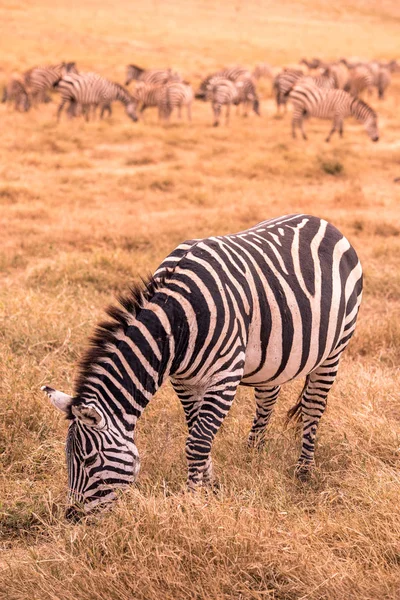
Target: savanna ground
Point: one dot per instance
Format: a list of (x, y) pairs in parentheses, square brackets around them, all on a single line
[(86, 208)]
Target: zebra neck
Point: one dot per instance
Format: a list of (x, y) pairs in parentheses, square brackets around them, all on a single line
[(123, 380)]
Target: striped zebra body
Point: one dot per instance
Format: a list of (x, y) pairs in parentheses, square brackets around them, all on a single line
[(149, 95), (222, 92), (282, 85), (90, 90), (231, 73), (384, 79), (40, 80), (178, 95), (361, 79), (15, 91), (258, 308), (247, 93), (335, 105), (286, 80), (151, 76)]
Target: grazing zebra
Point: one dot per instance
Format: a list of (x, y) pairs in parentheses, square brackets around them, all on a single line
[(15, 91), (258, 308), (90, 90), (310, 101), (151, 76), (39, 80), (165, 97), (248, 94), (223, 92)]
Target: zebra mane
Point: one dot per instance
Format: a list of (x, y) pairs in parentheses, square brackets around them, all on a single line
[(121, 315)]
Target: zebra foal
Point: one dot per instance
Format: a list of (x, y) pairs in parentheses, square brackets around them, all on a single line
[(258, 308), (335, 105)]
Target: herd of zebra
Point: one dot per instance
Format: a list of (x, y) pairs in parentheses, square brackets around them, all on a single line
[(315, 89)]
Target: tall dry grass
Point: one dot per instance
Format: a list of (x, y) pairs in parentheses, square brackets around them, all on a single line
[(86, 208)]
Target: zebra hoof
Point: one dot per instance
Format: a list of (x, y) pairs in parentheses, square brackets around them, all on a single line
[(303, 472), (212, 487)]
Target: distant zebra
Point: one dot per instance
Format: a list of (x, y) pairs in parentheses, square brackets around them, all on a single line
[(231, 73), (361, 79), (40, 80), (258, 308), (223, 92), (310, 101), (149, 95), (282, 85), (176, 96), (383, 81), (247, 93), (151, 76), (89, 91), (16, 92)]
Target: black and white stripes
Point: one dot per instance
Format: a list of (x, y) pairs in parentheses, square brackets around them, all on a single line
[(89, 91), (336, 105), (258, 308)]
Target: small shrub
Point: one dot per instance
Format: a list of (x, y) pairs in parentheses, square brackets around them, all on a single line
[(332, 167)]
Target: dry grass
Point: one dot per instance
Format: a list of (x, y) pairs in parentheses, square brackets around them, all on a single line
[(84, 208)]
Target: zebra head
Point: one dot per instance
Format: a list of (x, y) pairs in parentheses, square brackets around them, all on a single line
[(133, 72), (100, 459), (371, 126), (131, 110)]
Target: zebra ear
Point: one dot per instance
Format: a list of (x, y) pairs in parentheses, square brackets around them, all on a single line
[(89, 415), (58, 399)]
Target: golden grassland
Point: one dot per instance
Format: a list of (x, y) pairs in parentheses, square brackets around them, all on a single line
[(87, 207)]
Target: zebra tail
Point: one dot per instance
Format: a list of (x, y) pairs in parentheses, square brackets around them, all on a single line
[(295, 412)]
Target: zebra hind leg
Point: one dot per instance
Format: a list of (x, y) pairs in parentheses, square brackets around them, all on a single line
[(310, 409), (265, 402)]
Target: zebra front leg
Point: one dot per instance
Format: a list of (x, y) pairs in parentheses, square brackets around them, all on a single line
[(312, 406), (217, 111), (212, 410), (265, 402), (60, 109), (336, 124), (189, 112)]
